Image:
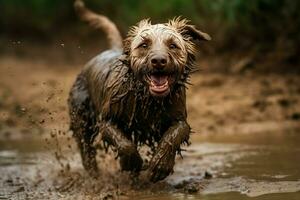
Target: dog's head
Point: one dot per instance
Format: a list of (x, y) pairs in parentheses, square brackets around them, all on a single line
[(161, 55)]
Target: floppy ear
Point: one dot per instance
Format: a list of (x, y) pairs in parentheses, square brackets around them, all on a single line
[(194, 33), (187, 30)]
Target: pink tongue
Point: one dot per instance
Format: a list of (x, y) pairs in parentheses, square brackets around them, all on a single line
[(159, 80)]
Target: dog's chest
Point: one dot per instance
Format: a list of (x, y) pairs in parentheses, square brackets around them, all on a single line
[(145, 119)]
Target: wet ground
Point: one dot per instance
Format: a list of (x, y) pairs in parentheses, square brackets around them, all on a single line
[(218, 168)]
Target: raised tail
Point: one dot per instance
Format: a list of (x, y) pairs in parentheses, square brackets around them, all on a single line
[(100, 22)]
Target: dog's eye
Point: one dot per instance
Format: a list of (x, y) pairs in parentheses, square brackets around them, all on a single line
[(173, 46), (144, 45)]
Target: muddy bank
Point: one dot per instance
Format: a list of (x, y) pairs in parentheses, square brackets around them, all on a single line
[(33, 98)]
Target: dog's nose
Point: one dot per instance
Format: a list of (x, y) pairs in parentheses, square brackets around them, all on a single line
[(159, 61)]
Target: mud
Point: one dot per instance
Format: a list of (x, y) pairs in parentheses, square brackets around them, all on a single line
[(208, 170), (245, 145)]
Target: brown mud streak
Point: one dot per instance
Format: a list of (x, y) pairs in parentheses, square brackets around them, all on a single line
[(136, 96)]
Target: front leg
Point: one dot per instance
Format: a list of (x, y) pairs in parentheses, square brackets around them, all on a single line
[(162, 163), (130, 159)]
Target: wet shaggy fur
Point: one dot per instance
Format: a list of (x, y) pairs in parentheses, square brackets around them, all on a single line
[(111, 102)]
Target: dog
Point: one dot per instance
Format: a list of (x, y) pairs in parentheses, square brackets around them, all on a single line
[(135, 94)]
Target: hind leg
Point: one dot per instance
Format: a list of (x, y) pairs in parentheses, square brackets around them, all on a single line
[(83, 124)]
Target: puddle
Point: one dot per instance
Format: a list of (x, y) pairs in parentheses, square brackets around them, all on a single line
[(217, 168)]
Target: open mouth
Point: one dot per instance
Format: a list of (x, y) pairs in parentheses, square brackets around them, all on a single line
[(159, 84)]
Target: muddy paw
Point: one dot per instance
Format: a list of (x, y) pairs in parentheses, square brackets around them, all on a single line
[(161, 166), (130, 160)]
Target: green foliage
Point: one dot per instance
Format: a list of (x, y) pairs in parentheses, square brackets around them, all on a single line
[(229, 21), (33, 15)]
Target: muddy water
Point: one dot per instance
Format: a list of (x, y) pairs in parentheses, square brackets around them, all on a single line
[(264, 166)]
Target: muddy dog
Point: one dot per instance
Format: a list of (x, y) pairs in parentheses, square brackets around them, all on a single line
[(135, 94)]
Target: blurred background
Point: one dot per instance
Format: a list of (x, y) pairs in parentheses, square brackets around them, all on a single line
[(262, 31), (247, 90)]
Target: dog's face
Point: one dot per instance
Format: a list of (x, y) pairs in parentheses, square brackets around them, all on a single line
[(160, 53)]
